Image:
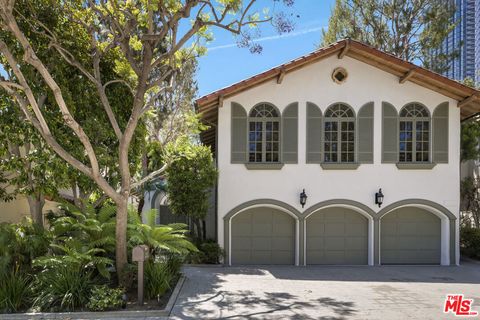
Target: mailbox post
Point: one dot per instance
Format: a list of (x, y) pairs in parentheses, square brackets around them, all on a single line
[(140, 254)]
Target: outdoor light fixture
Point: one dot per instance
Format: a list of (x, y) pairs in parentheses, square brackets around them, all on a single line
[(379, 197), (303, 198)]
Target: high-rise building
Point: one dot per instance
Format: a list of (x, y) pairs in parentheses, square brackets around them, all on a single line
[(466, 39)]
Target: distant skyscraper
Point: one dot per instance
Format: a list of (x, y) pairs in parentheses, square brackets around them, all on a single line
[(465, 38)]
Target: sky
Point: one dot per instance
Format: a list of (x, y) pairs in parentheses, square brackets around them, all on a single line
[(225, 63)]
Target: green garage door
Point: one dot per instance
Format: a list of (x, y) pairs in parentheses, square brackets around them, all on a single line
[(263, 236), (337, 236), (410, 236)]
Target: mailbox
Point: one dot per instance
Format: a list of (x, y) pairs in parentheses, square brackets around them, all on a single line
[(140, 253)]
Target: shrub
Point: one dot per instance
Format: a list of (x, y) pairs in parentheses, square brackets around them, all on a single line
[(209, 253), (15, 292), (65, 288), (160, 275), (470, 242), (20, 243), (105, 298)]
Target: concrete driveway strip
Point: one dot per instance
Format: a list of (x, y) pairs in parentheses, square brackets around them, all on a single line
[(284, 292)]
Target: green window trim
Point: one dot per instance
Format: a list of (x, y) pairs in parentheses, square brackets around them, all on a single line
[(415, 165), (264, 166), (340, 165), (414, 134), (264, 119), (339, 134)]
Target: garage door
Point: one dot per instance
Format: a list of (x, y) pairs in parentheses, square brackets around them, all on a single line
[(263, 236), (337, 236), (410, 236)]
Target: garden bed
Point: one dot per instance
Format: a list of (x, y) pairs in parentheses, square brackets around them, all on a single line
[(151, 309)]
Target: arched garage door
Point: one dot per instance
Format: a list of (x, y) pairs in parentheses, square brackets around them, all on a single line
[(410, 236), (263, 236), (337, 236)]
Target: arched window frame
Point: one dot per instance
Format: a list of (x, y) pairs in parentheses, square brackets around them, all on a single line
[(264, 134), (339, 134), (414, 134)]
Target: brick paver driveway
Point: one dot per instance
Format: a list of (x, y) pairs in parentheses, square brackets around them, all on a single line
[(387, 292)]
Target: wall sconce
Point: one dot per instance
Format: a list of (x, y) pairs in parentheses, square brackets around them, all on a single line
[(303, 198), (379, 197)]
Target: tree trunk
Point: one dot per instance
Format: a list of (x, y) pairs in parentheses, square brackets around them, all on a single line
[(198, 226), (121, 258), (36, 203)]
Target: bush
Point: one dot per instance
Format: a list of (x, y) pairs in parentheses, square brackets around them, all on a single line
[(470, 242), (104, 298), (160, 275), (66, 288), (209, 253), (20, 243), (15, 292)]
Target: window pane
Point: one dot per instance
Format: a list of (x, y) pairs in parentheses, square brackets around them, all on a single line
[(275, 157)]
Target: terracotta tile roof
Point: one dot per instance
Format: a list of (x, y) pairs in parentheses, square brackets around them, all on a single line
[(469, 98)]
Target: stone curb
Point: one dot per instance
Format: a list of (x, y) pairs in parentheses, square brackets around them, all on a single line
[(204, 265), (138, 314)]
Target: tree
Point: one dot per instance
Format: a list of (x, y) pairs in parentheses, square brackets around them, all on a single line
[(148, 39), (39, 172), (408, 29), (27, 165), (191, 177)]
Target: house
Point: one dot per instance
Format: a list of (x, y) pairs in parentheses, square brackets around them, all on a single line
[(336, 126)]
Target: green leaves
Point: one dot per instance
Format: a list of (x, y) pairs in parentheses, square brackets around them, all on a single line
[(191, 175), (408, 29)]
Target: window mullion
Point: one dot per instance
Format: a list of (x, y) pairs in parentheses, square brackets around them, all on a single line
[(264, 140), (339, 140)]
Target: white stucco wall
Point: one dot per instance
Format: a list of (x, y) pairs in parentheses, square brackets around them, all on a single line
[(365, 83)]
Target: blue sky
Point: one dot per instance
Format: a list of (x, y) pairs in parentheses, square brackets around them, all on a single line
[(225, 63)]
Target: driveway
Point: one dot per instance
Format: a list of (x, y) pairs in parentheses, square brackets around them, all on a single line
[(267, 292)]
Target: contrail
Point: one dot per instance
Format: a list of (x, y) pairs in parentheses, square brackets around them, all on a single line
[(269, 38)]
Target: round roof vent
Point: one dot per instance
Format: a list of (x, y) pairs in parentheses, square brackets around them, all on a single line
[(339, 75)]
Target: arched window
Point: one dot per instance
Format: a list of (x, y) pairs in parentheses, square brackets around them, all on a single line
[(264, 134), (339, 134), (414, 139)]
